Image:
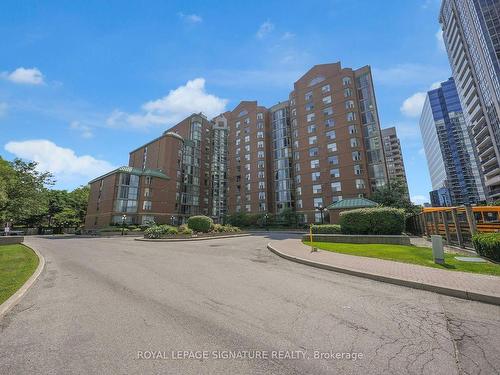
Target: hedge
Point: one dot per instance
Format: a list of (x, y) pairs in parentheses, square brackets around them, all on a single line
[(376, 220), (487, 245), (326, 229), (159, 231), (200, 223)]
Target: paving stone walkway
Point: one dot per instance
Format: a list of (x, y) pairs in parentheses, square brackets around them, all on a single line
[(483, 288)]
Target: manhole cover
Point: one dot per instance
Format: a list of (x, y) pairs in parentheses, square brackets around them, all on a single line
[(215, 245), (471, 259)]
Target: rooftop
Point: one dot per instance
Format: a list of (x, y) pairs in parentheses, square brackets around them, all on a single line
[(352, 203)]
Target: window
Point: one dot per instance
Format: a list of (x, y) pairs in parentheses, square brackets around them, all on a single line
[(238, 133), (298, 191), (328, 111), (260, 134), (247, 157), (294, 112), (327, 99), (325, 89), (260, 116), (237, 124), (347, 92), (297, 167), (299, 203), (262, 206), (247, 148), (260, 174), (317, 189), (309, 107), (351, 116), (357, 169), (148, 180), (313, 140), (308, 96), (147, 192), (311, 128), (295, 144), (260, 164), (296, 155), (294, 123), (260, 125), (314, 164), (311, 117), (247, 177), (313, 151), (356, 155), (332, 147), (262, 195), (334, 173), (353, 129), (298, 179), (346, 81), (354, 142), (247, 188), (318, 202), (260, 154), (247, 138), (349, 104), (260, 144), (262, 185), (333, 160), (329, 123), (337, 198), (247, 121), (318, 217), (146, 205), (238, 150), (315, 176), (336, 186), (360, 184), (247, 208), (330, 134), (247, 167)]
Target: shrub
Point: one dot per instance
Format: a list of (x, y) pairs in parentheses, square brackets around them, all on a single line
[(218, 228), (376, 220), (159, 231), (230, 229), (200, 223), (183, 229), (326, 229), (139, 229), (112, 229), (487, 245)]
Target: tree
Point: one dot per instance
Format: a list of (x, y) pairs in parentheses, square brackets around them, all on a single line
[(395, 194), (288, 217), (79, 199), (68, 217), (23, 190)]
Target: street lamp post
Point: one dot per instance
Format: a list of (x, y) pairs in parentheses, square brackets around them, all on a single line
[(320, 209), (172, 219), (124, 218), (266, 216)]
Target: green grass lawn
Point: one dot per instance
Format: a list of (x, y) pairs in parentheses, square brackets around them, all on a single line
[(17, 264), (407, 254)]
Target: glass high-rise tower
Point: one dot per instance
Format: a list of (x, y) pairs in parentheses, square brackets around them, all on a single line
[(471, 32), (448, 148)]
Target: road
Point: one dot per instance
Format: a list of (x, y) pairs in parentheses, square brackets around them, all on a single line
[(106, 305)]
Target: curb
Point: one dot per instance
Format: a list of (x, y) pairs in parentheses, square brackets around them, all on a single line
[(189, 239), (458, 293), (17, 296)]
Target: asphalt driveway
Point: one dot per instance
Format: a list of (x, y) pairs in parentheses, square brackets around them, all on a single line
[(115, 306)]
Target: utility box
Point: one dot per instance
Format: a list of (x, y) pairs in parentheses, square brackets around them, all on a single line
[(437, 249)]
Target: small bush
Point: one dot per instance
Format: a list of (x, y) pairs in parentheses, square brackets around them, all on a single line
[(159, 231), (376, 220), (326, 229), (230, 229), (183, 229), (487, 245), (112, 229), (200, 223), (139, 229)]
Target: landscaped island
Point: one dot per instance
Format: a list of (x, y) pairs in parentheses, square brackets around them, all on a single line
[(17, 264)]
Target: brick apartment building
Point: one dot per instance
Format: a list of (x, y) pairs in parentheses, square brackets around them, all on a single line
[(321, 145)]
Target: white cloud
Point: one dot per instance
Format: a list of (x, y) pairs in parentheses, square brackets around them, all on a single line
[(190, 18), (85, 131), (172, 108), (419, 199), (62, 162), (265, 29), (30, 76), (408, 131), (412, 106), (409, 75), (440, 41), (288, 35), (3, 109)]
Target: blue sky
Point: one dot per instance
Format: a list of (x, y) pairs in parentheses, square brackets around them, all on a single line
[(83, 83)]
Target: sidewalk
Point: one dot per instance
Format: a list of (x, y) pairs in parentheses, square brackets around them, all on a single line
[(464, 285)]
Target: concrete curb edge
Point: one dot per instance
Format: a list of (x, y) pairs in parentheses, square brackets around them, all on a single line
[(17, 296), (189, 239), (464, 294)]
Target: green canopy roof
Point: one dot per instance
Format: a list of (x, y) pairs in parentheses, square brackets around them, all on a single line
[(135, 171), (352, 203)]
